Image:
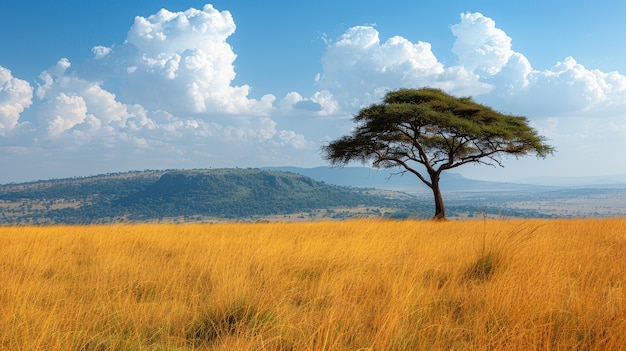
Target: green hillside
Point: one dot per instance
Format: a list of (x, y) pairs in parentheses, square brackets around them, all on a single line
[(193, 195)]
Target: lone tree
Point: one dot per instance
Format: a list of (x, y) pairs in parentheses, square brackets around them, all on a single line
[(435, 131)]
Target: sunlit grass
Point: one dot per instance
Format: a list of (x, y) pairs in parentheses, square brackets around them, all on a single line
[(356, 285)]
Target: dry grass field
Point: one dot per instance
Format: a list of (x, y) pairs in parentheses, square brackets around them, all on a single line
[(353, 285)]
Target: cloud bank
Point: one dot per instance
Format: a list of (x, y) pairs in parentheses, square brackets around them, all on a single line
[(165, 98), (360, 68)]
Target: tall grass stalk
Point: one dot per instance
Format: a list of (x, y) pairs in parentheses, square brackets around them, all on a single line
[(355, 285)]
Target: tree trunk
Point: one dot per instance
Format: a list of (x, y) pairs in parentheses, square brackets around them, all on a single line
[(440, 210)]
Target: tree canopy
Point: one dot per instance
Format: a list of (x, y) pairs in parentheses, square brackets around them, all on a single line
[(427, 131)]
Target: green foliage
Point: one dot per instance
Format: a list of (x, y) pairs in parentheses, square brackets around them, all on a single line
[(434, 129)]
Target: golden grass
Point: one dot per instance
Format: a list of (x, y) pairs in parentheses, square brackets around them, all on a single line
[(355, 285)]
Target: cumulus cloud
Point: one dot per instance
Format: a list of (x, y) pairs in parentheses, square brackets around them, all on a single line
[(15, 96), (69, 101), (64, 112), (181, 62), (86, 110), (566, 89), (358, 68), (100, 51), (479, 45)]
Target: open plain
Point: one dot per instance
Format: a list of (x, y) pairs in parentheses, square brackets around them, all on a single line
[(554, 284)]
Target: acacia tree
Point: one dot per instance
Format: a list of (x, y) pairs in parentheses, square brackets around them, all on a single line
[(427, 131)]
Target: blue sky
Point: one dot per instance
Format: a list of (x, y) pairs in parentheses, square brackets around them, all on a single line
[(90, 87)]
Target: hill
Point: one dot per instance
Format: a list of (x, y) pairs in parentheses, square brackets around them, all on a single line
[(192, 195)]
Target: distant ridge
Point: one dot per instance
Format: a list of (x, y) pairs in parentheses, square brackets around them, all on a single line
[(186, 195)]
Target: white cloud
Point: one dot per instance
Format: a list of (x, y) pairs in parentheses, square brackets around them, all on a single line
[(479, 45), (63, 113), (53, 75), (182, 63), (100, 51), (68, 99), (583, 89), (565, 90), (358, 69), (15, 96)]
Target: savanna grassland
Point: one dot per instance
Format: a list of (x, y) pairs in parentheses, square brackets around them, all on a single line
[(353, 285)]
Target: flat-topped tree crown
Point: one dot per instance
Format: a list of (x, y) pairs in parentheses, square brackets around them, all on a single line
[(426, 131)]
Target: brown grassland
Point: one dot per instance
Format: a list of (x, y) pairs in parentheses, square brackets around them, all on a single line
[(353, 285)]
